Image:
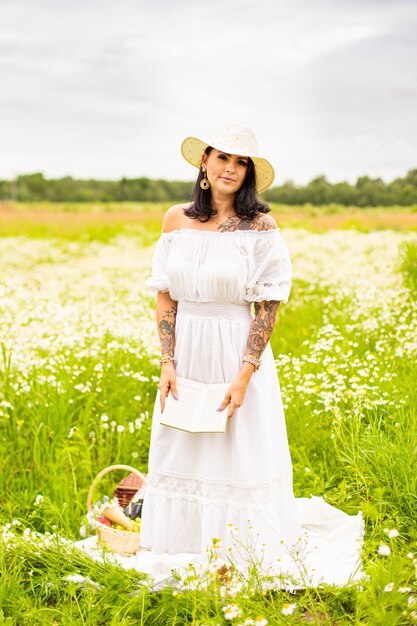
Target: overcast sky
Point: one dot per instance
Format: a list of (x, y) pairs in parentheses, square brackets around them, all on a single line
[(109, 89)]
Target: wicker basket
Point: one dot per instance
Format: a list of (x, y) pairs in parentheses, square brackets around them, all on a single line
[(123, 542)]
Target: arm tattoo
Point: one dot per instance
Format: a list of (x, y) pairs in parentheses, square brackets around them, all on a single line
[(262, 327), (166, 329)]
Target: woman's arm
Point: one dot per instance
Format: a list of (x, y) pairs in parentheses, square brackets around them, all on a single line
[(265, 315), (259, 333), (166, 314)]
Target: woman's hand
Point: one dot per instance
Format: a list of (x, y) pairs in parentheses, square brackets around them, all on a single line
[(167, 383), (235, 396)]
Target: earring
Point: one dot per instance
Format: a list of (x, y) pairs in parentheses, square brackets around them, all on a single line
[(204, 183)]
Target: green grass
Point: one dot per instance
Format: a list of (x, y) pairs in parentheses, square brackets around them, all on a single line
[(89, 221), (409, 264), (76, 397)]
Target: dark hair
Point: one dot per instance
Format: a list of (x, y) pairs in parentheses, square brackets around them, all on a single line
[(247, 205)]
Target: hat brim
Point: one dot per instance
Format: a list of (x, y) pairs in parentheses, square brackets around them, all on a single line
[(192, 150)]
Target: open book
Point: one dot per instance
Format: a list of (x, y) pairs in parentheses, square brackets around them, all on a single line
[(195, 409)]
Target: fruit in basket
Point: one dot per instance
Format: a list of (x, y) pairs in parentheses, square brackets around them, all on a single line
[(115, 514), (104, 520), (135, 526)]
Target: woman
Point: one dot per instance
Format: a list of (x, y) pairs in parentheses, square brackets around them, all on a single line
[(215, 256)]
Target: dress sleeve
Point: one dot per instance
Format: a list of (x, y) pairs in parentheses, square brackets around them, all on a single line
[(158, 281), (270, 270)]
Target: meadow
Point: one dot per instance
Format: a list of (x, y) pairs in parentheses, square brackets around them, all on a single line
[(78, 376)]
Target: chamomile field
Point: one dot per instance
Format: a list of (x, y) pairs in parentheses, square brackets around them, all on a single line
[(79, 371)]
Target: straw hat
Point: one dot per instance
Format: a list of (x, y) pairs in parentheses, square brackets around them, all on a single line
[(232, 139)]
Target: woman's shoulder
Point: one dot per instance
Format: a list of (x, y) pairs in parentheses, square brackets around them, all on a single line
[(173, 216), (262, 222)]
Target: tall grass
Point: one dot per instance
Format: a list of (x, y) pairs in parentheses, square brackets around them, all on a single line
[(409, 264), (78, 376), (102, 222)]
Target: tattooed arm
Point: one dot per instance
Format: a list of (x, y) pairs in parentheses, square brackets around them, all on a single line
[(261, 328), (259, 333), (166, 314)]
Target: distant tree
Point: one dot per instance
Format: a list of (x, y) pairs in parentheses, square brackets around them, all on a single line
[(32, 186), (365, 192)]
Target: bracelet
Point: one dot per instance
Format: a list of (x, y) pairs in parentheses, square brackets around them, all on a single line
[(255, 362), (167, 358)]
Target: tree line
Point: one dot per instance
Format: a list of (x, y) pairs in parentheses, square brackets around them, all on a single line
[(365, 192)]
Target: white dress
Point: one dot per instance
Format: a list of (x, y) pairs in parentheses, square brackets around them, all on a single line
[(236, 486)]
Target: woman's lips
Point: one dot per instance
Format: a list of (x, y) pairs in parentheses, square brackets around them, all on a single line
[(229, 180)]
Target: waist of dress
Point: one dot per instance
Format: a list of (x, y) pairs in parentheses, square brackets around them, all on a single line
[(222, 310)]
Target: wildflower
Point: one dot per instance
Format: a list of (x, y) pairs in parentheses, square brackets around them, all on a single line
[(39, 500), (231, 611), (384, 550), (404, 589), (288, 609), (77, 578), (389, 587), (410, 555), (120, 428), (72, 431), (83, 531), (231, 589), (391, 532), (261, 621)]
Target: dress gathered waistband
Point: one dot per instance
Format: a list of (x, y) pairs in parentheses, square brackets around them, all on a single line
[(226, 310)]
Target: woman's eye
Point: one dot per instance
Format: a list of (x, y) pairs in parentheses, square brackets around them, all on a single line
[(224, 157)]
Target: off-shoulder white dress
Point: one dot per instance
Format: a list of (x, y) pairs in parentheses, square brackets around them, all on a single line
[(204, 486)]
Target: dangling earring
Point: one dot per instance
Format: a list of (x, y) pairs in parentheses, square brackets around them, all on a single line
[(204, 183)]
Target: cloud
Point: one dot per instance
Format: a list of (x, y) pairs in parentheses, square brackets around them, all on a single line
[(106, 90)]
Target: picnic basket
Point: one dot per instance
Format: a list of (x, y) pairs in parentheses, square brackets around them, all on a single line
[(123, 542), (127, 488)]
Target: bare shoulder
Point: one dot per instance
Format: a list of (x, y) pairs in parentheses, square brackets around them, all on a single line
[(173, 216), (264, 222)]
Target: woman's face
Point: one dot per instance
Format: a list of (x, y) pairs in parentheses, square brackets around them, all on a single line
[(225, 172)]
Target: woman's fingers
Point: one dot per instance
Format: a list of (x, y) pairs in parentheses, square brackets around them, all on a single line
[(223, 404), (163, 392), (174, 389), (234, 404), (227, 400), (165, 388)]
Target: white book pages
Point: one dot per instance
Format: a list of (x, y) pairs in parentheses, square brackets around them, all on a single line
[(195, 409)]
